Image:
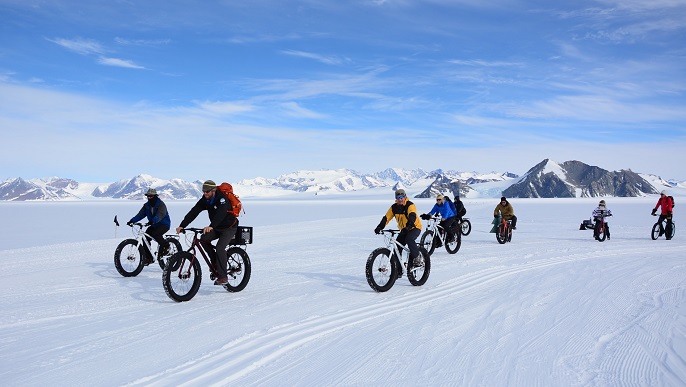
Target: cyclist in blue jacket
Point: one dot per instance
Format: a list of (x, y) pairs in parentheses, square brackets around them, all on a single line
[(443, 208), (158, 222)]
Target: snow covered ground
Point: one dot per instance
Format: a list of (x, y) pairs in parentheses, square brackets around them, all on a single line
[(552, 308)]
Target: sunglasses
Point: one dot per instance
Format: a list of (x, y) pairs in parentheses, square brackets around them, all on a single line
[(149, 196), (400, 197), (439, 200)]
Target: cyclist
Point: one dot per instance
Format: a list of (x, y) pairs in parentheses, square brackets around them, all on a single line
[(405, 214), (666, 204), (447, 216), (598, 216), (507, 211), (223, 225), (158, 223), (457, 207)]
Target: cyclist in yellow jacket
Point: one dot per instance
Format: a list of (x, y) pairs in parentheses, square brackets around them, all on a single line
[(405, 213)]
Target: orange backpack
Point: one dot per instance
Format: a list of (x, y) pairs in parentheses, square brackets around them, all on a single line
[(236, 205)]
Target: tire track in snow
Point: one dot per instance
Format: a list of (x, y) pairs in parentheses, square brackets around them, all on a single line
[(240, 357)]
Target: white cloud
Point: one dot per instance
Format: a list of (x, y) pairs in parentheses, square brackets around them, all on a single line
[(80, 46), (330, 60), (119, 63)]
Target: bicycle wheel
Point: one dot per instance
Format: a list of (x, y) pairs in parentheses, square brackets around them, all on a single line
[(465, 227), (427, 241), (418, 274), (673, 230), (127, 258), (238, 269), (174, 247), (453, 244), (656, 231), (501, 234), (509, 232), (380, 271), (181, 277), (601, 234)]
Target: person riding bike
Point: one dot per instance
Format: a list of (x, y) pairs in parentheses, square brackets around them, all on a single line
[(158, 222), (447, 216), (666, 204), (223, 225), (601, 213), (405, 214), (457, 206), (506, 210)]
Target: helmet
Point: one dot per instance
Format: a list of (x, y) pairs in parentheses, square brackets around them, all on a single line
[(151, 192)]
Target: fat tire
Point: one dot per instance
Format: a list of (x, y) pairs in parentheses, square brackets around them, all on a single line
[(673, 230), (419, 276), (238, 269), (182, 276), (465, 227), (127, 258), (601, 236), (501, 234), (454, 246), (380, 268), (174, 247), (427, 241), (655, 233)]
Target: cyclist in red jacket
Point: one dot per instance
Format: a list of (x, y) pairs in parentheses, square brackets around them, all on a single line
[(667, 204)]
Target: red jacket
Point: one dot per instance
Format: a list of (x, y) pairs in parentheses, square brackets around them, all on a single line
[(666, 203)]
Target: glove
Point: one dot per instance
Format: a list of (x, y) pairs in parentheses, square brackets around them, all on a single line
[(669, 213), (495, 216), (653, 213), (377, 230), (129, 223), (425, 216), (148, 224)]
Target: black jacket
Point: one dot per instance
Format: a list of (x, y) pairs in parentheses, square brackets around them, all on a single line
[(218, 209)]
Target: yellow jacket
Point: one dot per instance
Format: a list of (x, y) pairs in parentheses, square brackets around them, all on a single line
[(404, 214)]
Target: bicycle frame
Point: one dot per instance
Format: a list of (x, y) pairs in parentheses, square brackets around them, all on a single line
[(195, 244), (504, 231), (395, 247), (434, 225), (142, 237)]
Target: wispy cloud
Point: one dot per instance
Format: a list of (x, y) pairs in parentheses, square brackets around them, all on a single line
[(326, 59), (142, 42), (294, 109), (80, 46), (225, 108), (119, 63), (89, 47)]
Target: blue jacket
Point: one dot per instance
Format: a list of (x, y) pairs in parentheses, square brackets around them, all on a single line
[(444, 209), (156, 213)]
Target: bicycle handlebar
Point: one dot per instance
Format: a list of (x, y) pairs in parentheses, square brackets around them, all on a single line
[(192, 229)]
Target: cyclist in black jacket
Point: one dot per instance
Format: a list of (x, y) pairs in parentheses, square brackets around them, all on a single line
[(223, 225)]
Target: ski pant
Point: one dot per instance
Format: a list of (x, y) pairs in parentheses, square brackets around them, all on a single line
[(513, 220), (408, 238), (157, 233), (218, 257), (667, 230), (448, 224)]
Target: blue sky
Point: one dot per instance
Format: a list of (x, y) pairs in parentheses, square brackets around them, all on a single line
[(103, 90)]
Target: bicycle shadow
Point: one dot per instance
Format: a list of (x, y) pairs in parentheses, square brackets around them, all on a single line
[(337, 281), (146, 286)]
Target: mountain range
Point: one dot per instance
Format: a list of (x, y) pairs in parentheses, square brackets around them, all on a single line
[(547, 179)]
